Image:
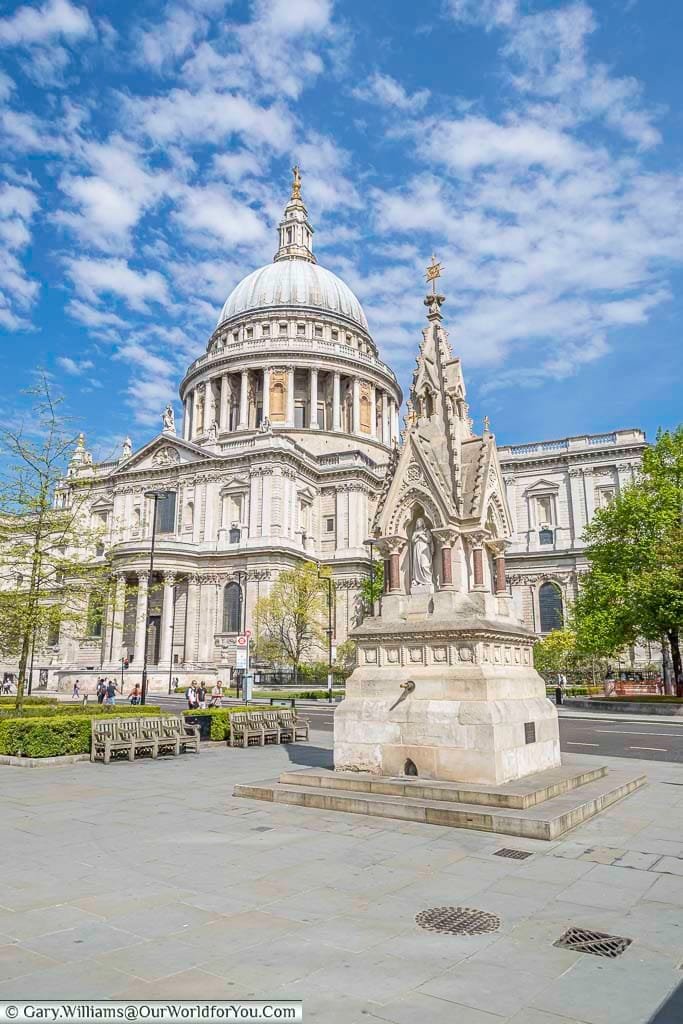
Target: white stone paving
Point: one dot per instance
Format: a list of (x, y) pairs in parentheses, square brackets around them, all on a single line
[(149, 880)]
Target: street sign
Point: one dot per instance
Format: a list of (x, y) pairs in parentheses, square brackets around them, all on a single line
[(240, 659), (247, 633), (242, 641)]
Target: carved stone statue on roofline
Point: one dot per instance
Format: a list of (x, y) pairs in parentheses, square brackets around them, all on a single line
[(168, 420)]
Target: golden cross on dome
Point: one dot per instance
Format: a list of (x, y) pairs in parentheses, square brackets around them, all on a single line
[(296, 182), (433, 271)]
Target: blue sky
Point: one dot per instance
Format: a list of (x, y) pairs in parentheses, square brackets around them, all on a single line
[(536, 147)]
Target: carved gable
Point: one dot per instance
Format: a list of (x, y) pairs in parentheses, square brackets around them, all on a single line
[(164, 452)]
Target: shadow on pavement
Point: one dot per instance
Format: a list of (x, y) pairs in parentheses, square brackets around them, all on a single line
[(670, 1012), (312, 757)]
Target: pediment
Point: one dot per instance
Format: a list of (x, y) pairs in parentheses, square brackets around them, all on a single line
[(163, 452), (542, 486)]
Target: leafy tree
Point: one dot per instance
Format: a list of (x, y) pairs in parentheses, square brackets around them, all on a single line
[(292, 618), (46, 565), (372, 587), (555, 653), (634, 588)]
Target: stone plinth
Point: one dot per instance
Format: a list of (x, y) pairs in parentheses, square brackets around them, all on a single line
[(460, 703)]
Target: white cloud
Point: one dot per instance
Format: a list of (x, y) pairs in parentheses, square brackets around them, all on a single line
[(92, 317), (110, 201), (489, 13), (18, 206), (211, 215), (75, 368), (95, 278), (387, 92), (30, 25), (472, 142)]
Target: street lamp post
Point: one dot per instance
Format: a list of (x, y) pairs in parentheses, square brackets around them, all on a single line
[(155, 495), (241, 574), (329, 631)]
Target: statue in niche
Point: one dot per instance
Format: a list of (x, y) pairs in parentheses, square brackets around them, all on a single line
[(213, 431), (422, 553), (168, 419)]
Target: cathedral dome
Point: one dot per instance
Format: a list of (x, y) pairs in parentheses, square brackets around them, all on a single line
[(294, 282)]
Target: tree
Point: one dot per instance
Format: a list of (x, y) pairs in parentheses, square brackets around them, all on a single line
[(46, 564), (372, 587), (634, 587), (555, 653), (291, 619)]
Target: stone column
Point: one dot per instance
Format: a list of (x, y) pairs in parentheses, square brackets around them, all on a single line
[(390, 548), (373, 411), (195, 411), (186, 415), (118, 612), (192, 619), (244, 401), (313, 400), (447, 538), (225, 403), (478, 563), (336, 401), (386, 421), (499, 582), (266, 393), (141, 618), (393, 422), (355, 427), (290, 396), (165, 652)]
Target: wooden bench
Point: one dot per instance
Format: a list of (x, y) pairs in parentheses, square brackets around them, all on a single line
[(138, 734), (261, 727)]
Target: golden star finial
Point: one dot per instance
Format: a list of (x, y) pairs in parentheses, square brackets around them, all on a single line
[(433, 271)]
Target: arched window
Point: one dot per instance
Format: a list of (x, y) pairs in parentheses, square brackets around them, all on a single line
[(188, 520), (550, 606), (232, 608)]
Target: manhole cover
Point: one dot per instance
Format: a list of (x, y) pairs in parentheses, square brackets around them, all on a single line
[(513, 854), (598, 943), (457, 921)]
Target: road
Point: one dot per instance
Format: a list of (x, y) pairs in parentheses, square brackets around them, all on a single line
[(650, 741)]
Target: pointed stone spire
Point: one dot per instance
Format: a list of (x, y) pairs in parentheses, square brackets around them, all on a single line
[(295, 230)]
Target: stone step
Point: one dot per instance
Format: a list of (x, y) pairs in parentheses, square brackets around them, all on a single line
[(548, 820), (520, 794)]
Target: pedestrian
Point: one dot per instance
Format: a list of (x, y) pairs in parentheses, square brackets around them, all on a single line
[(136, 694), (176, 683), (558, 690), (110, 699), (101, 689), (192, 696), (76, 691), (201, 696), (217, 694)]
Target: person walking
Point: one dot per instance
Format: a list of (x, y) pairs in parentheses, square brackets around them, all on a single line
[(192, 696), (217, 695), (201, 696), (101, 690), (110, 699), (136, 694), (76, 691)]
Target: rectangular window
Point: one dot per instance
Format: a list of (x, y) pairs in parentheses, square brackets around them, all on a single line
[(544, 510), (250, 332), (300, 329), (283, 329), (318, 332), (166, 513), (335, 335), (605, 496), (329, 524), (299, 416), (265, 330)]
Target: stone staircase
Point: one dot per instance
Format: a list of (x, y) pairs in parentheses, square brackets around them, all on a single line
[(541, 806)]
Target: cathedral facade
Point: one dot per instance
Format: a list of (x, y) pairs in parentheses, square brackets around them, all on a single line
[(290, 419)]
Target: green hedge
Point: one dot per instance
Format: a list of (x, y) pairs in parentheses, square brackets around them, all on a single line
[(644, 698), (53, 736), (220, 719), (81, 709), (28, 700)]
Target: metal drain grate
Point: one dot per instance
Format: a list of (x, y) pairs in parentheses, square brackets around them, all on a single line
[(513, 854), (457, 921), (582, 940)]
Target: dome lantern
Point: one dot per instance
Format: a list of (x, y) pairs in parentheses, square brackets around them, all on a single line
[(295, 231)]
